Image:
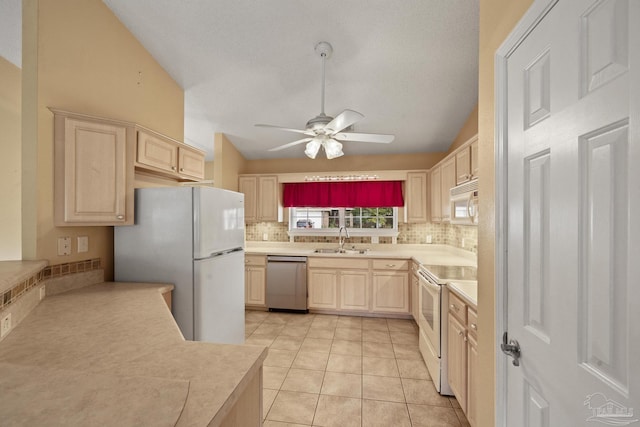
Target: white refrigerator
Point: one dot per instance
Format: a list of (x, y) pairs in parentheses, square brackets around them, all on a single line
[(192, 237)]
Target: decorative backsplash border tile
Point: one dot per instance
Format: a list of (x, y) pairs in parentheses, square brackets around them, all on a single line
[(12, 295)]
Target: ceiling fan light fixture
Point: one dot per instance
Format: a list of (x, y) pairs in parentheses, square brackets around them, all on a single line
[(312, 148), (333, 149)]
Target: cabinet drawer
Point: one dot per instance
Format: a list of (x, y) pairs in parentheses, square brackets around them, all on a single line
[(458, 308), (390, 264), (255, 260), (472, 321), (338, 263)]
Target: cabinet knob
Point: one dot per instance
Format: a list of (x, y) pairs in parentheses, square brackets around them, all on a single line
[(474, 326), (181, 169), (173, 168), (391, 265), (460, 333), (119, 216), (465, 339)]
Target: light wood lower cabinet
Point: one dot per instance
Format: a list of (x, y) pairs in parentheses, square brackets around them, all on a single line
[(457, 360), (322, 288), (354, 290), (462, 358), (375, 286), (415, 292), (255, 280)]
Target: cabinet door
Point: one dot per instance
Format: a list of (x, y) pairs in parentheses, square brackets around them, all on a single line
[(354, 293), (255, 279), (435, 185), (248, 185), (416, 193), (457, 360), (448, 181), (472, 375), (474, 159), (191, 163), (91, 174), (390, 292), (157, 152), (323, 285), (463, 165), (268, 198)]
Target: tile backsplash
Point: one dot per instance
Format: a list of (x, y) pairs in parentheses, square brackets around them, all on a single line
[(460, 236)]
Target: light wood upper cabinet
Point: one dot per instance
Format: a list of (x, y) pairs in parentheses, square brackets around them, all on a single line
[(160, 154), (448, 181), (463, 165), (474, 159), (435, 185), (93, 171), (261, 197), (416, 197)]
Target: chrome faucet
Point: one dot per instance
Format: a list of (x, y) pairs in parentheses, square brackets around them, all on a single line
[(341, 240)]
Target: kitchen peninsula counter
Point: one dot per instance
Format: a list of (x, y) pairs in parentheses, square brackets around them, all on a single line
[(111, 354), (430, 254)]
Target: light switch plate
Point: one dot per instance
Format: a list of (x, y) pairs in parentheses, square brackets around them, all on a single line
[(64, 245), (83, 244)]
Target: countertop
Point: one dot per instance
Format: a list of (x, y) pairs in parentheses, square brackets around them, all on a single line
[(111, 354), (14, 272), (423, 254), (467, 290)]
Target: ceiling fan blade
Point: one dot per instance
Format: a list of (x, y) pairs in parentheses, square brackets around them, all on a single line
[(304, 132), (364, 137), (291, 144), (342, 121)]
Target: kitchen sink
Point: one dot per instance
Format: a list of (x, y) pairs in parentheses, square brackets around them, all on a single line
[(326, 251), (352, 251)]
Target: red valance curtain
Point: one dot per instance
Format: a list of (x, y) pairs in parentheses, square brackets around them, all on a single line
[(361, 194)]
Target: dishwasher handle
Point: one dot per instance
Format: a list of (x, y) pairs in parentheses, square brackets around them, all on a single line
[(282, 258)]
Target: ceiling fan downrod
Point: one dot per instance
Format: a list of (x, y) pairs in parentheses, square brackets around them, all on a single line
[(325, 50)]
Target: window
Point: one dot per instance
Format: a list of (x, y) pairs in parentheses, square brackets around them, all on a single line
[(359, 221)]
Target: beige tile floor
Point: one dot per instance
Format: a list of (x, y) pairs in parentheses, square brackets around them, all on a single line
[(326, 370)]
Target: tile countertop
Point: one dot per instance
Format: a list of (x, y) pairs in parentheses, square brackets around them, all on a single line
[(467, 290), (423, 254), (111, 354)]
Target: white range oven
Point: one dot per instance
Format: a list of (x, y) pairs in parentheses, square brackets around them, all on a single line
[(433, 301)]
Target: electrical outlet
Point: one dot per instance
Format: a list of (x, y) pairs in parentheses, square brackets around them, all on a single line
[(64, 245), (265, 236), (463, 242), (5, 325), (83, 244), (429, 239), (42, 293)]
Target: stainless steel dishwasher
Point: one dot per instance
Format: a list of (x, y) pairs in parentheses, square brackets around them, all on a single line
[(286, 282)]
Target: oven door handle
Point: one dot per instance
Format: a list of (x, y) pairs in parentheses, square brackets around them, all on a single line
[(430, 285)]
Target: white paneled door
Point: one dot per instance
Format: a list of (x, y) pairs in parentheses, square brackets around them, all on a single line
[(572, 215)]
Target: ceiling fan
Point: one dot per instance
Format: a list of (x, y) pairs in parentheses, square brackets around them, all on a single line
[(326, 131)]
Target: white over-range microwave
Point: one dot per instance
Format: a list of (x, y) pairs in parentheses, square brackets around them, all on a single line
[(464, 203)]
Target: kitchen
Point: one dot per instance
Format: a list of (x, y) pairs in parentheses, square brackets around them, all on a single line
[(160, 117), (53, 77)]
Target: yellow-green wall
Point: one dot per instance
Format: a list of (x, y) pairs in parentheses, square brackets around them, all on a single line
[(10, 173), (497, 20), (228, 163), (468, 130), (345, 163), (77, 56)]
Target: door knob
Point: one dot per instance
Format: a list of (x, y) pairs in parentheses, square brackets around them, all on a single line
[(511, 349)]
